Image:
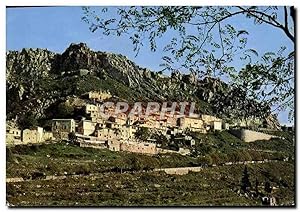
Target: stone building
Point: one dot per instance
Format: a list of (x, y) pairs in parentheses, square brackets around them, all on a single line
[(209, 118), (92, 111), (114, 145), (13, 135), (62, 127), (194, 124), (120, 120), (217, 125), (48, 136), (34, 135), (86, 127), (99, 95), (107, 134)]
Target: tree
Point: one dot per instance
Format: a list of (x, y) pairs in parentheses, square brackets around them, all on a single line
[(256, 186), (246, 185), (72, 137), (161, 139), (205, 160), (142, 133), (268, 187), (64, 110), (27, 120), (204, 42), (215, 158)]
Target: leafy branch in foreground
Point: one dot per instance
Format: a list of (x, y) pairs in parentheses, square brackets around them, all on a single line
[(205, 41)]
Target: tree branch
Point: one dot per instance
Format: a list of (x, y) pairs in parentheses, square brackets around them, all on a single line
[(275, 23), (285, 18)]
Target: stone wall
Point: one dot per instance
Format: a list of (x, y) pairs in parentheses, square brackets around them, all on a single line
[(137, 147), (250, 135), (180, 170)]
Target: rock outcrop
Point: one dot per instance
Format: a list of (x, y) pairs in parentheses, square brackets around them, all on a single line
[(38, 80)]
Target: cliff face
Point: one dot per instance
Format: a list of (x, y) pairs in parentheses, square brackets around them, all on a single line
[(38, 80)]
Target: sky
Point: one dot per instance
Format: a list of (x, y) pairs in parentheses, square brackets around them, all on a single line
[(55, 28)]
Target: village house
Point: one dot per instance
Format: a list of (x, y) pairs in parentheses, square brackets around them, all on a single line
[(114, 145), (62, 127), (92, 111), (174, 131), (188, 139), (113, 125), (212, 122), (120, 120), (124, 133), (34, 135), (171, 121), (13, 135), (99, 95), (217, 125), (48, 136), (191, 123), (150, 123), (86, 127), (107, 134), (247, 122), (225, 125)]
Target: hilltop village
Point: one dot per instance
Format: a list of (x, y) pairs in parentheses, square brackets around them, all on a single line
[(119, 132)]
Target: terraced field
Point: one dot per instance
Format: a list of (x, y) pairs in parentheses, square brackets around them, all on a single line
[(103, 178)]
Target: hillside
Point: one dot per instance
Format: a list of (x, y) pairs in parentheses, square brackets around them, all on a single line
[(38, 81), (107, 178)]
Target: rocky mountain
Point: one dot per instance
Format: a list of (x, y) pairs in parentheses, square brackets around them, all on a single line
[(40, 81)]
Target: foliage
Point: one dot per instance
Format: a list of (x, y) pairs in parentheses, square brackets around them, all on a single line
[(143, 133), (27, 120), (267, 187), (64, 110), (72, 137), (205, 160), (246, 184)]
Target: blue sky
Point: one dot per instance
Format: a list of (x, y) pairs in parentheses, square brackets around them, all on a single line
[(54, 28)]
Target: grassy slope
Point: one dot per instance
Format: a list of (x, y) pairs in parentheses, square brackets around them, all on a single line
[(58, 158), (213, 186), (23, 161)]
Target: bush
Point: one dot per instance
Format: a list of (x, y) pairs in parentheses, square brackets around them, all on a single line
[(205, 160), (215, 158), (142, 133), (255, 155)]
